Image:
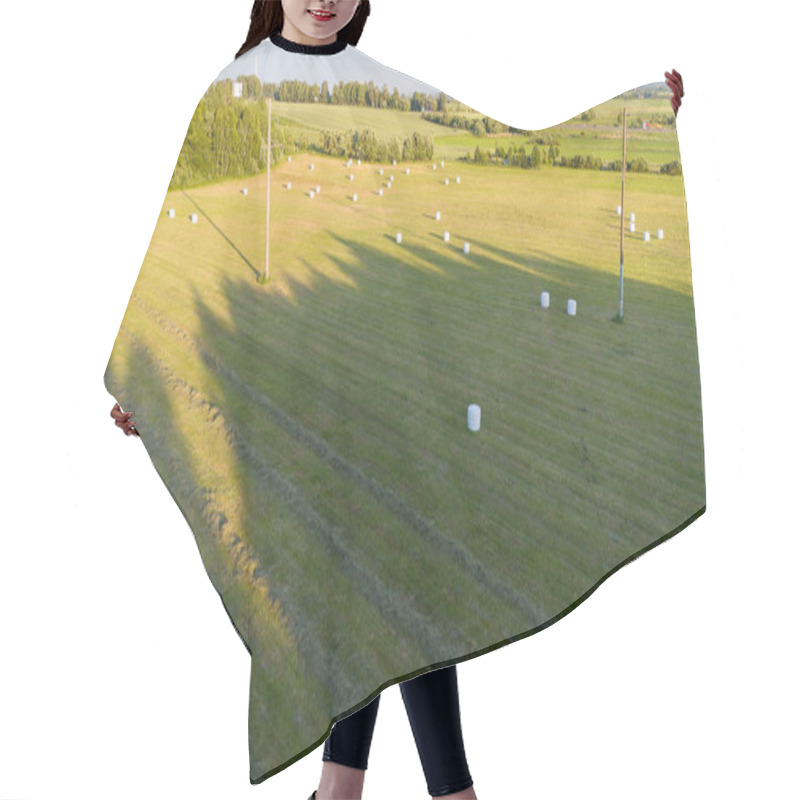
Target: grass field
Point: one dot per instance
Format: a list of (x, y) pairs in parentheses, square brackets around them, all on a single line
[(313, 429)]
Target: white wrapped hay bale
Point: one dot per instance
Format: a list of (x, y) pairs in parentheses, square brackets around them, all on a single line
[(447, 236), (398, 238), (289, 185), (660, 233), (380, 192), (355, 198), (633, 227), (311, 166), (317, 188), (619, 211), (438, 215), (646, 235), (171, 213), (311, 194), (458, 179), (633, 217), (380, 171), (408, 171), (474, 417), (194, 219), (447, 181), (572, 307), (466, 247), (244, 191), (545, 300)]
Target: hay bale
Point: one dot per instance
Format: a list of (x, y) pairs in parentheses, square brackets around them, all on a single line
[(545, 300), (572, 307)]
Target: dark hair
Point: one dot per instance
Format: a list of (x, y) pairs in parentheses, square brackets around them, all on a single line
[(266, 18)]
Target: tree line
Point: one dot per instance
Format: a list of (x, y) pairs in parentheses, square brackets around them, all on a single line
[(349, 93), (518, 156), (364, 144), (665, 120)]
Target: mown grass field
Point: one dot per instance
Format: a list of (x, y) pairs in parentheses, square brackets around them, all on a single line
[(313, 429)]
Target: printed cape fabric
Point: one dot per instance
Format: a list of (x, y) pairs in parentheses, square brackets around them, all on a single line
[(376, 356)]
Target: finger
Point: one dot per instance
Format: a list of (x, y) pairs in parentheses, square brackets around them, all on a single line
[(118, 413), (678, 79), (674, 81)]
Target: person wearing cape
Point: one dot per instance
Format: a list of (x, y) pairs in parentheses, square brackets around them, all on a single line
[(418, 380)]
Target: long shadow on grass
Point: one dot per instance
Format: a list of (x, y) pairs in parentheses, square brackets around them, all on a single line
[(393, 539), (222, 233), (363, 370)]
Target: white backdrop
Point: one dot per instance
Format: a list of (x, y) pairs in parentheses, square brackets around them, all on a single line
[(120, 674)]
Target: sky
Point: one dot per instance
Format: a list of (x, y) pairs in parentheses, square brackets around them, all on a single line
[(120, 674)]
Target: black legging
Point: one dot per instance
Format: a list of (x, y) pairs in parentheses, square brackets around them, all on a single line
[(432, 705)]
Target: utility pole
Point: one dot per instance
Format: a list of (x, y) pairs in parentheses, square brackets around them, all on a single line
[(622, 208), (269, 163)]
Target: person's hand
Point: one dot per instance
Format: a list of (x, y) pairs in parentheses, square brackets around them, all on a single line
[(675, 82), (122, 419)]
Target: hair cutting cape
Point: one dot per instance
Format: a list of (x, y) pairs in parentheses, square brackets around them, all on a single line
[(376, 356)]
